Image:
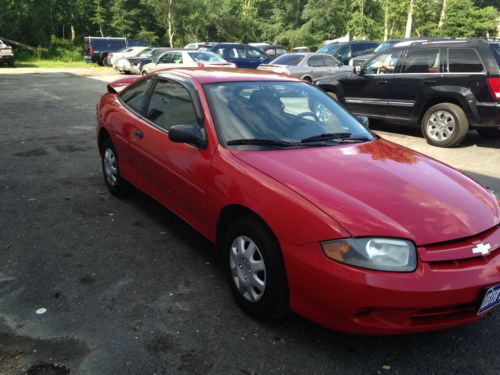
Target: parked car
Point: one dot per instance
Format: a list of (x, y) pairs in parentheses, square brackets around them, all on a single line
[(6, 54), (361, 59), (137, 63), (344, 51), (300, 49), (187, 58), (126, 52), (306, 66), (310, 210), (123, 63), (199, 45), (96, 49), (242, 55), (273, 50), (446, 87)]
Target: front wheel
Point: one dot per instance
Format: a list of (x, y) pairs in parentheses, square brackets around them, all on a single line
[(255, 269), (445, 125)]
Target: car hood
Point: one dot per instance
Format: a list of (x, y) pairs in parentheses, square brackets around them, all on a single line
[(379, 188)]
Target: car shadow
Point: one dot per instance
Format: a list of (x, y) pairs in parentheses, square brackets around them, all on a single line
[(472, 138)]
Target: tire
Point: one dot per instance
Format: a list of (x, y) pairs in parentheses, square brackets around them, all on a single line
[(264, 303), (489, 132), (11, 63), (111, 169), (444, 125)]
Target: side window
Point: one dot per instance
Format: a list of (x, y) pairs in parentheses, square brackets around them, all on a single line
[(315, 61), (280, 51), (330, 61), (344, 51), (237, 53), (133, 97), (464, 60), (165, 59), (170, 104), (421, 61), (271, 52), (384, 63), (253, 53), (177, 58), (220, 51)]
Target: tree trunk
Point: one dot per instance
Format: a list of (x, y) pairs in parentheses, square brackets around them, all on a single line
[(100, 18), (442, 17), (170, 31), (409, 20), (386, 20)]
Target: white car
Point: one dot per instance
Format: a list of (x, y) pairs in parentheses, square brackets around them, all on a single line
[(185, 59), (126, 52)]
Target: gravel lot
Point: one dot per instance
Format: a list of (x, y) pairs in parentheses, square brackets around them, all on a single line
[(129, 288)]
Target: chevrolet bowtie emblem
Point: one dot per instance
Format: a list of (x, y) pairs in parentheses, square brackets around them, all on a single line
[(482, 249)]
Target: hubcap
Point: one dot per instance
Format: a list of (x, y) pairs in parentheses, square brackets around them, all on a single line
[(441, 125), (247, 268), (110, 169)]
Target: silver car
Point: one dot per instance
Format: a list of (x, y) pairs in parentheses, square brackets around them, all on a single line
[(306, 66)]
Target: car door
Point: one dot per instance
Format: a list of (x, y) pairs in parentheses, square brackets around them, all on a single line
[(331, 64), (316, 66), (255, 57), (173, 173), (420, 70), (367, 93)]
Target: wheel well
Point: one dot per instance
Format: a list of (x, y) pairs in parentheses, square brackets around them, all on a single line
[(435, 101), (307, 78), (228, 215), (103, 135)]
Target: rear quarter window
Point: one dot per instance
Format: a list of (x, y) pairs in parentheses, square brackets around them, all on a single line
[(464, 60), (495, 50)]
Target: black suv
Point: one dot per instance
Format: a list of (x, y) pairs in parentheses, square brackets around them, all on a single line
[(446, 87)]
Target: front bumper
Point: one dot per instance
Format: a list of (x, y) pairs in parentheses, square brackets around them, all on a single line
[(439, 294)]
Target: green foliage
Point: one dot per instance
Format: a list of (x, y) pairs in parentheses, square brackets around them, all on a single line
[(49, 23)]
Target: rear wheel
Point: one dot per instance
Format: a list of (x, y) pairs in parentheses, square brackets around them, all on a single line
[(255, 269), (444, 125), (111, 169), (489, 132)]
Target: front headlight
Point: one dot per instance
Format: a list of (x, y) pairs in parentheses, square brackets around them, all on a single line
[(382, 254)]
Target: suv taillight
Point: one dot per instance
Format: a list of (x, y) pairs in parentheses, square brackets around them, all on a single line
[(494, 84), (91, 51)]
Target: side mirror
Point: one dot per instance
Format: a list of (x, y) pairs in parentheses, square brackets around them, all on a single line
[(364, 121), (190, 134), (357, 69)]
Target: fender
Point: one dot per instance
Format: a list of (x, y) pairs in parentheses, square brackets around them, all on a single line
[(441, 94), (331, 85)]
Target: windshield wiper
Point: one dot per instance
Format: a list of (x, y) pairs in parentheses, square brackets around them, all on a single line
[(259, 142), (336, 137)]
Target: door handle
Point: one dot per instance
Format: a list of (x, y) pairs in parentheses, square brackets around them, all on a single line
[(138, 134), (428, 81), (382, 82)]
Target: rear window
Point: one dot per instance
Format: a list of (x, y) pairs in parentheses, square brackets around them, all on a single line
[(329, 48), (495, 50), (464, 60), (289, 59), (421, 61), (205, 56)]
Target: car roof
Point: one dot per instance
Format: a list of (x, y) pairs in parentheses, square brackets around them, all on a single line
[(446, 43), (209, 75)]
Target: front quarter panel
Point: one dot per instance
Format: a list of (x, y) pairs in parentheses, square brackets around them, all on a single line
[(291, 218)]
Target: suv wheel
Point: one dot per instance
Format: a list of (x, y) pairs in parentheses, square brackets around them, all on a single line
[(489, 132), (445, 125)]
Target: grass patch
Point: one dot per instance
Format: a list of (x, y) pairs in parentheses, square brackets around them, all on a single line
[(46, 63)]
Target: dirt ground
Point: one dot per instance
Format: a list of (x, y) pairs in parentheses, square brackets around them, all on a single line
[(92, 284)]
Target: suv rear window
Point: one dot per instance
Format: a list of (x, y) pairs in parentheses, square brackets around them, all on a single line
[(421, 61), (464, 60), (495, 50)]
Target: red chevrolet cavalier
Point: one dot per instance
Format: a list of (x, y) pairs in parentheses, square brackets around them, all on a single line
[(311, 211)]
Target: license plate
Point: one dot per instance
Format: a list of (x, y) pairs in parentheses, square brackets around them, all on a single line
[(490, 300)]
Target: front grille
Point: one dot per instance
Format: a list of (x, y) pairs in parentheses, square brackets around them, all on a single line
[(448, 313)]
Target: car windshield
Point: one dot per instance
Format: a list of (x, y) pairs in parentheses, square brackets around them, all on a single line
[(384, 46), (285, 112), (144, 53), (329, 48), (290, 59), (205, 57)]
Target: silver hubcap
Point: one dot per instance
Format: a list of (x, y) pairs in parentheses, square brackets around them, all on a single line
[(248, 268), (110, 169), (441, 125)]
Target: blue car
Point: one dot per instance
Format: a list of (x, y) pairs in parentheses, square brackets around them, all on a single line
[(242, 55)]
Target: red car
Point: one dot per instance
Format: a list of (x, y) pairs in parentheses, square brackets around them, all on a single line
[(311, 211)]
